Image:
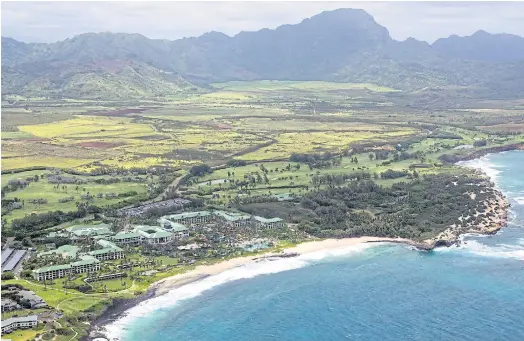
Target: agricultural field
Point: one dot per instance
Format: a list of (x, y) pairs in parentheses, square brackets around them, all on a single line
[(247, 122), (295, 179)]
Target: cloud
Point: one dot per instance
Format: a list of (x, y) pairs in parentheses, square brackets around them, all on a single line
[(52, 21)]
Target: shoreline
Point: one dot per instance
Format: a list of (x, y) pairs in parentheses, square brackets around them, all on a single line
[(119, 307), (483, 152), (498, 207)]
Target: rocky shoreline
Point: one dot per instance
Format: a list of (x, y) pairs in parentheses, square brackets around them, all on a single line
[(496, 217)]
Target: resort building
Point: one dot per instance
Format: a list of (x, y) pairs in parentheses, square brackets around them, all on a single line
[(127, 238), (190, 217), (271, 223), (29, 299), (9, 305), (64, 251), (179, 231), (232, 219), (89, 231), (154, 234), (109, 251), (14, 323), (87, 264)]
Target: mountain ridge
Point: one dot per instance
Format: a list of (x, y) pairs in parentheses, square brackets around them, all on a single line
[(342, 45)]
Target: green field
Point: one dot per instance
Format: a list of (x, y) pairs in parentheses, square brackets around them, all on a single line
[(49, 191)]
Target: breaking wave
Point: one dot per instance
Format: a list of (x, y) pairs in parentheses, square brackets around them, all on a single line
[(484, 163), (117, 329), (513, 251)]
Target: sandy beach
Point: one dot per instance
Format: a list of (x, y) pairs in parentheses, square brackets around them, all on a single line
[(203, 271)]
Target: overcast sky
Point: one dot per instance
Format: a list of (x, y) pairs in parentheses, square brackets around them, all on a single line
[(53, 21)]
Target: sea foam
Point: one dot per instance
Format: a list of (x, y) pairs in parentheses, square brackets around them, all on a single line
[(116, 330), (511, 251), (484, 163)]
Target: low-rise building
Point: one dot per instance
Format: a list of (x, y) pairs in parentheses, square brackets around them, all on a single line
[(190, 217), (109, 251), (127, 238), (154, 234), (178, 230), (87, 264), (89, 231), (268, 223), (9, 305), (14, 323), (64, 251), (29, 299), (233, 219)]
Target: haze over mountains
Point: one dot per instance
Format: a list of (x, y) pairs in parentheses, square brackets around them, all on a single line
[(344, 45)]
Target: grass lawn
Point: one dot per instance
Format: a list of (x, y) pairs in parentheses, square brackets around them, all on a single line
[(167, 260), (81, 303), (24, 335), (45, 190), (53, 294)]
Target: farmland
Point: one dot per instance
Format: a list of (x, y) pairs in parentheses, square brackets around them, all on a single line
[(256, 147), (240, 124)]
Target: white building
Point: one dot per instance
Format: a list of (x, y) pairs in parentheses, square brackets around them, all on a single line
[(87, 264), (14, 323), (109, 251)]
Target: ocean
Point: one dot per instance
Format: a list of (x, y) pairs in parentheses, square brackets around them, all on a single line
[(366, 292)]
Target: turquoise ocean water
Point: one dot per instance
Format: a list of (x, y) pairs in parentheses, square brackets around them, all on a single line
[(384, 292)]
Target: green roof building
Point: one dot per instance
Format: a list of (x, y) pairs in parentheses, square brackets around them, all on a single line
[(109, 251), (153, 234), (90, 231), (232, 218), (127, 238), (190, 217), (58, 271), (65, 251), (268, 222)]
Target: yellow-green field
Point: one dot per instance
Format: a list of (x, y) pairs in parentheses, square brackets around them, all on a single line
[(289, 143)]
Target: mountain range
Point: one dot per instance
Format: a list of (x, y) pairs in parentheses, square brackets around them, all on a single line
[(344, 45)]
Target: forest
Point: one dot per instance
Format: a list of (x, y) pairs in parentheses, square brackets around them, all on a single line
[(418, 209)]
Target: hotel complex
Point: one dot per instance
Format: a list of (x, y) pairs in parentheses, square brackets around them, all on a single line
[(87, 264), (107, 246)]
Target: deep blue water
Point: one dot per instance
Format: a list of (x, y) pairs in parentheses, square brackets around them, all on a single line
[(386, 292)]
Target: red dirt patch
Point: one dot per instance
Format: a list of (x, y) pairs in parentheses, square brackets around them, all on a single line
[(224, 126), (99, 145)]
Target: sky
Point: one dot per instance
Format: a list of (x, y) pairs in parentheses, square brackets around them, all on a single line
[(54, 21)]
